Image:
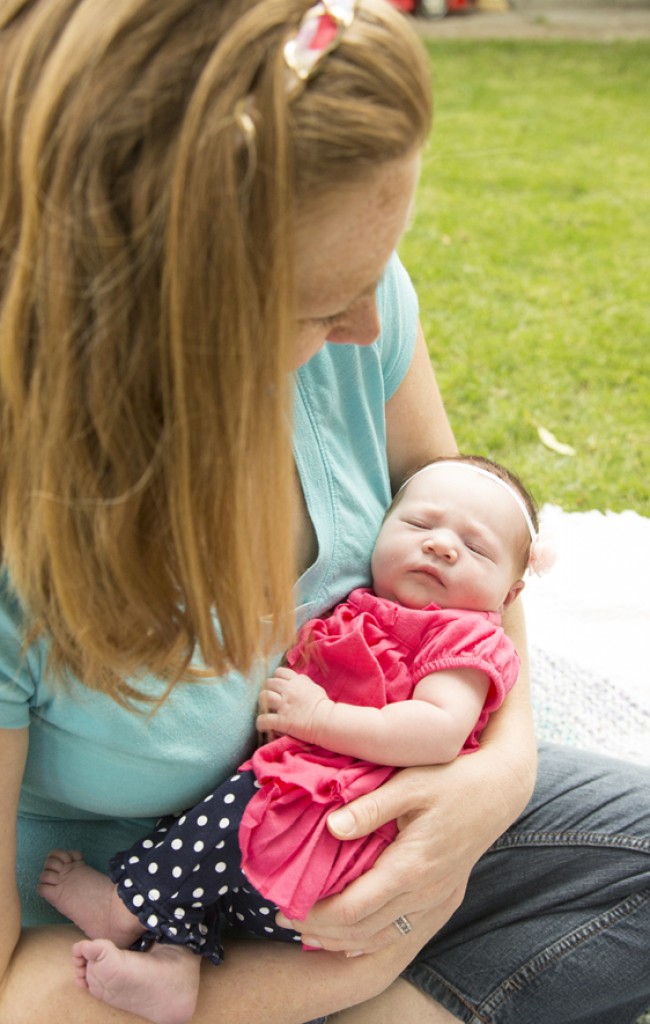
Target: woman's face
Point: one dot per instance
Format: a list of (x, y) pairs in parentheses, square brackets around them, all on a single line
[(342, 248)]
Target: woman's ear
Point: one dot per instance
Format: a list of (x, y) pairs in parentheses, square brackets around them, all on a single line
[(514, 592)]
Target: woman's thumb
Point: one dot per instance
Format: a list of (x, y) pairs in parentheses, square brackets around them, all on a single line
[(360, 818)]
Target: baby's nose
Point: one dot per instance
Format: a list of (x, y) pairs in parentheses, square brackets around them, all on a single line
[(443, 544)]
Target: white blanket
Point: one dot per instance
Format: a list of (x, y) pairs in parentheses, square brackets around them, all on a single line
[(589, 633)]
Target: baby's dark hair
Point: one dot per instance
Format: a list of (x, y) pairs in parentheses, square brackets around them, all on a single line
[(497, 470)]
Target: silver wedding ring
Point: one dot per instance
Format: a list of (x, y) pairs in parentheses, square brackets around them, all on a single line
[(403, 925)]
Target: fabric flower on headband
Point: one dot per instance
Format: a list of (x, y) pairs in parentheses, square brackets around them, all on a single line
[(542, 555), (319, 33)]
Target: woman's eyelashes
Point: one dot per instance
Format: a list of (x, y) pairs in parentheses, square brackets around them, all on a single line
[(330, 321)]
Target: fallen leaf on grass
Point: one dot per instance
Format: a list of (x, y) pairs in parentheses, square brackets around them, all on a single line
[(551, 441)]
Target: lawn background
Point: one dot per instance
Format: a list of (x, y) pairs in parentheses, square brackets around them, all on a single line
[(530, 252)]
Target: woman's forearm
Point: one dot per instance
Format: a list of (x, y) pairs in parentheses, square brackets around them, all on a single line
[(259, 983), (510, 734)]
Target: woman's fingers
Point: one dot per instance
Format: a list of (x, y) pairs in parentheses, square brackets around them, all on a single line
[(373, 934)]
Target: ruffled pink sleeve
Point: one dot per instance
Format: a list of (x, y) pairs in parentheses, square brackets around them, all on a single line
[(466, 639)]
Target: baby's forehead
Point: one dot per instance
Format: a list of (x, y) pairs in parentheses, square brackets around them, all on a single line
[(439, 483), (479, 499)]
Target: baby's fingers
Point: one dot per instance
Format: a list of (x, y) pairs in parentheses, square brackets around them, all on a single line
[(269, 700), (267, 723)]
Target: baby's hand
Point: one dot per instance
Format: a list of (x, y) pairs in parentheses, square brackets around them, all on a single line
[(293, 704)]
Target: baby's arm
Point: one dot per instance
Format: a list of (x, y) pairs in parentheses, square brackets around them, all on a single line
[(428, 729)]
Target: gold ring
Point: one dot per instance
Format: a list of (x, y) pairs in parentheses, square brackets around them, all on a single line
[(403, 925)]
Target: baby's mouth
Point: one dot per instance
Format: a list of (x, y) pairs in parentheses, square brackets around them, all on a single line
[(429, 570)]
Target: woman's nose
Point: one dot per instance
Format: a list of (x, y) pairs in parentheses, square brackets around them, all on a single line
[(361, 325), (442, 544)]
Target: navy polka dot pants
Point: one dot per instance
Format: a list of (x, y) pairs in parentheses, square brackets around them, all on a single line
[(184, 879)]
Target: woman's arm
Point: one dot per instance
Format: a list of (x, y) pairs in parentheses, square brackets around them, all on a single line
[(417, 426), (13, 754), (430, 728)]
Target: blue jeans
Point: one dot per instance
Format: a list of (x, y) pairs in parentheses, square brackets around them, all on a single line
[(555, 924)]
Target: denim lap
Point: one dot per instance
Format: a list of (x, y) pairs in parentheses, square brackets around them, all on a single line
[(556, 919)]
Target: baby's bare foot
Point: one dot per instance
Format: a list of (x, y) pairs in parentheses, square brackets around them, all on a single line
[(160, 985), (88, 898)]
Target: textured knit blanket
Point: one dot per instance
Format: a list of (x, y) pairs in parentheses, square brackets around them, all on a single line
[(588, 624)]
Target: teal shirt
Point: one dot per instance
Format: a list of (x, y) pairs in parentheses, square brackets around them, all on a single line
[(97, 775)]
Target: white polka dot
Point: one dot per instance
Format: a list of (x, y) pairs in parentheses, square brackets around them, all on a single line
[(240, 917), (172, 930), (221, 866), (224, 822), (177, 844), (138, 900), (202, 820), (223, 890), (153, 894), (198, 893), (268, 929), (203, 930), (235, 778), (257, 784), (128, 883), (196, 868), (152, 921), (265, 910), (134, 860), (197, 904), (153, 867), (147, 843), (220, 845), (208, 798), (229, 798), (179, 913), (182, 819), (198, 846)]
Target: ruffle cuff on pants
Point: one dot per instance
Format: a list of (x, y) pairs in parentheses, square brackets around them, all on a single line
[(197, 927)]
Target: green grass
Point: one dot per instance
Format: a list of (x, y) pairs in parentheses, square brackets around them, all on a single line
[(530, 251)]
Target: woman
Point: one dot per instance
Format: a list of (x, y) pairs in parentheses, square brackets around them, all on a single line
[(195, 197)]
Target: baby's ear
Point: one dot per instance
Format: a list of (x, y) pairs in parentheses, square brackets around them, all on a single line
[(514, 592)]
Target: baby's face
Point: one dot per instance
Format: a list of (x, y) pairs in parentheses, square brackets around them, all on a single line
[(454, 539)]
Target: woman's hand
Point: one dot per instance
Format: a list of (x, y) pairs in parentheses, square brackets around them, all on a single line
[(447, 816)]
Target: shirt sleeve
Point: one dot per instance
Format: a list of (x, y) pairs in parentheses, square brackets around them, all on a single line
[(16, 676), (397, 305), (475, 640)]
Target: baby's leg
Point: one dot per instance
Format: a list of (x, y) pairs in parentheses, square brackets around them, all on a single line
[(161, 985), (88, 898), (176, 879)]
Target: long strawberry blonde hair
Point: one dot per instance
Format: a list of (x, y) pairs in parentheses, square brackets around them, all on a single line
[(152, 156)]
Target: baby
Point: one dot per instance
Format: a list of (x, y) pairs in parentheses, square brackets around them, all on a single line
[(404, 674)]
